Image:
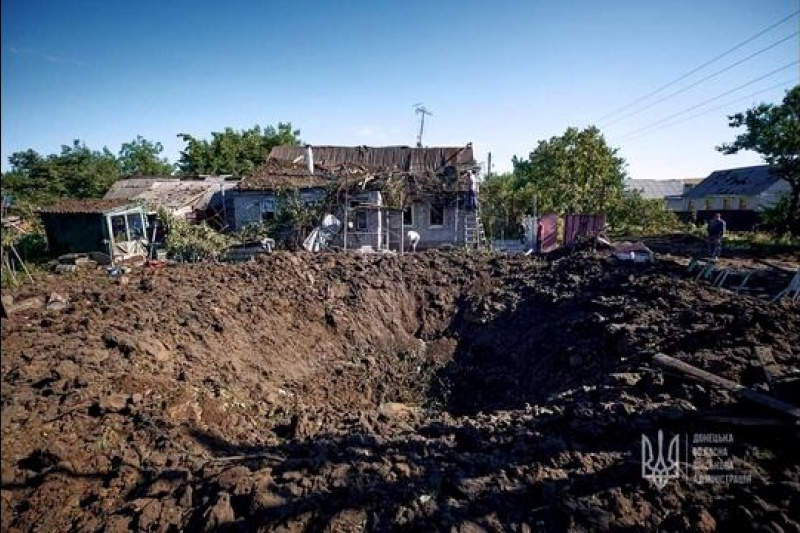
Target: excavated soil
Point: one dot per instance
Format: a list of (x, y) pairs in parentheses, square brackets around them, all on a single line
[(427, 392)]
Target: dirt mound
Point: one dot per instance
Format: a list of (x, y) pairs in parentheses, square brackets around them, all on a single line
[(429, 391)]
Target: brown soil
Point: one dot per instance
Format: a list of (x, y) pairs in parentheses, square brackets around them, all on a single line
[(436, 391)]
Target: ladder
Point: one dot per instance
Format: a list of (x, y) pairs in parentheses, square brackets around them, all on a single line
[(474, 234)]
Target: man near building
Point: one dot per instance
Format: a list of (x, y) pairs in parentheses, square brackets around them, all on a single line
[(716, 232)]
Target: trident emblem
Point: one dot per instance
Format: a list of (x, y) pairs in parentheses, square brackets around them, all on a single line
[(660, 469)]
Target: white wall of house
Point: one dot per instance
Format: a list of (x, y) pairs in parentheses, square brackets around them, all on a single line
[(730, 202), (426, 220)]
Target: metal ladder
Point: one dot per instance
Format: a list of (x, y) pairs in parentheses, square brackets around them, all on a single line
[(474, 234)]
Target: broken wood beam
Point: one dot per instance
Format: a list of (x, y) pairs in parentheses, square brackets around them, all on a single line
[(670, 363), (742, 421)]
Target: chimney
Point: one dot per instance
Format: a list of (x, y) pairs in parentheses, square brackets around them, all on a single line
[(310, 159)]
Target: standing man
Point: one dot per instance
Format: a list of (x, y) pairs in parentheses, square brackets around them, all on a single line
[(716, 231)]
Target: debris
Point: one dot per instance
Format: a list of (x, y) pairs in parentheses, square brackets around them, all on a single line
[(56, 302), (670, 363)]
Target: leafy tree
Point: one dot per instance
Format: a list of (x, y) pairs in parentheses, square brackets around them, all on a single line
[(577, 172), (774, 132), (191, 242), (231, 151), (633, 214), (141, 157), (504, 200), (77, 172)]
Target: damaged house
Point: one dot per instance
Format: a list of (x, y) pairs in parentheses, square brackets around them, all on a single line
[(378, 193), (194, 198)]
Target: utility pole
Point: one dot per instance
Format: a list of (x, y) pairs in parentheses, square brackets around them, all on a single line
[(420, 109), (489, 165)]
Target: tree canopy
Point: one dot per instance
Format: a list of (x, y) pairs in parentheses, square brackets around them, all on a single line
[(577, 172), (773, 130), (141, 157), (77, 171), (234, 152)]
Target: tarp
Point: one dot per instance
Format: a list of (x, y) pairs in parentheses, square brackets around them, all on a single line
[(321, 236)]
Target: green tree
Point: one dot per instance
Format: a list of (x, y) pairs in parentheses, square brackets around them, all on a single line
[(231, 151), (577, 172), (141, 157), (632, 214), (774, 132), (77, 172)]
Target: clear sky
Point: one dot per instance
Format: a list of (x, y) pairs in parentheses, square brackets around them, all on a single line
[(499, 74)]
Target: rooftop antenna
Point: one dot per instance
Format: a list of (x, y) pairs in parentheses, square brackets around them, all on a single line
[(420, 109)]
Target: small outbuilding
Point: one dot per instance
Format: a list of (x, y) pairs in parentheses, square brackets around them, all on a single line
[(113, 227)]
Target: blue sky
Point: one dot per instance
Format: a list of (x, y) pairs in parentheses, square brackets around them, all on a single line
[(501, 74)]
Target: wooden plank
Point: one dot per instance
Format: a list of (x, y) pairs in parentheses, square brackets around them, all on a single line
[(670, 363), (742, 421)]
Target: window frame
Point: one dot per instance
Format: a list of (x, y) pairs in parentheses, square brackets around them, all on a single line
[(410, 212), (435, 207)]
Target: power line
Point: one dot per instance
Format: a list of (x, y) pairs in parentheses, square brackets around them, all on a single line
[(696, 69), (701, 80), (654, 129), (726, 93)]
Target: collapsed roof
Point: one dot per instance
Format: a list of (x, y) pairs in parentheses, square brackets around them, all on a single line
[(413, 171)]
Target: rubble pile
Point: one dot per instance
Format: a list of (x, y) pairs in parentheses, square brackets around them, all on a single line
[(434, 391)]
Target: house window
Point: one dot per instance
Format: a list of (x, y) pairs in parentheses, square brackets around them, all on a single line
[(135, 226), (436, 214), (743, 204), (408, 216), (268, 209), (361, 217), (709, 204), (727, 203), (119, 229), (361, 221), (692, 206)]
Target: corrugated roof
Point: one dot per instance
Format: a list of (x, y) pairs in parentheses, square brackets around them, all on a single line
[(404, 158), (746, 181), (652, 189), (86, 206), (134, 186), (169, 192)]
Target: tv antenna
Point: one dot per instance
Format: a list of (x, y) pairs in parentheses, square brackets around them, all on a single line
[(421, 110)]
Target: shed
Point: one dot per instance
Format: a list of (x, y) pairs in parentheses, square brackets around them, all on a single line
[(115, 226)]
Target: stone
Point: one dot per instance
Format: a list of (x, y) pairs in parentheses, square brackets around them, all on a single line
[(220, 513)]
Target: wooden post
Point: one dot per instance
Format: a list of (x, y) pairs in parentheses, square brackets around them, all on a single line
[(670, 363)]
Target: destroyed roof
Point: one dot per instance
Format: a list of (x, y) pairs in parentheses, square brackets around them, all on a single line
[(404, 158), (653, 189), (86, 205), (277, 175), (746, 181), (167, 191)]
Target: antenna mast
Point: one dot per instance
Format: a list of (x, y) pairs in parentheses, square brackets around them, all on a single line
[(422, 111)]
